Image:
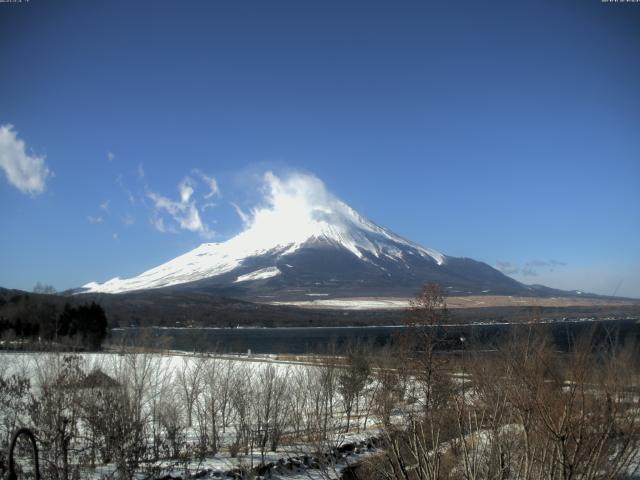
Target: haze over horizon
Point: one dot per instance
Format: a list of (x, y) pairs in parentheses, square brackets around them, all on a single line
[(508, 134)]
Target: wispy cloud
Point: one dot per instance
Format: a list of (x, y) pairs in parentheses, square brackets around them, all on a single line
[(110, 156), (27, 172), (528, 269), (606, 279), (186, 190), (546, 263), (211, 182), (184, 212), (158, 223), (130, 196), (96, 219), (507, 268), (246, 218), (129, 219), (170, 216)]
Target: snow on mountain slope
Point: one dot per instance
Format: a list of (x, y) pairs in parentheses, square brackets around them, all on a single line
[(299, 211), (259, 274)]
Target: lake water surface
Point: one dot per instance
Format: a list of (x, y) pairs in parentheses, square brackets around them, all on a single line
[(327, 339)]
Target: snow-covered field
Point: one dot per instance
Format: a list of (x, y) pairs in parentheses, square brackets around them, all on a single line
[(182, 397)]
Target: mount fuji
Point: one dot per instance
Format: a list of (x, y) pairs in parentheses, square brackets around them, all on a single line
[(305, 243)]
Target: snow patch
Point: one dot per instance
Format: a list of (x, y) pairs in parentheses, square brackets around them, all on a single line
[(351, 303), (259, 274)]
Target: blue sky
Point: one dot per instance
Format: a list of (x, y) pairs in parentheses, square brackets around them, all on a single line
[(504, 131)]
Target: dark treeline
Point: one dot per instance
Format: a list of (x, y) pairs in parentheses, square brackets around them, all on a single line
[(35, 318), (172, 307)]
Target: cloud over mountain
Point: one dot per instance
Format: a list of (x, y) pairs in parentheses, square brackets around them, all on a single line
[(184, 213)]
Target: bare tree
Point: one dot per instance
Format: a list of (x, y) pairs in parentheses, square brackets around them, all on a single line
[(270, 408), (136, 408), (55, 409), (225, 381), (298, 402), (213, 401), (241, 400), (14, 404), (44, 289), (427, 313), (189, 377), (352, 380), (172, 424)]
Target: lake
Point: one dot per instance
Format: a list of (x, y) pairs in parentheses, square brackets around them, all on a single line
[(324, 339)]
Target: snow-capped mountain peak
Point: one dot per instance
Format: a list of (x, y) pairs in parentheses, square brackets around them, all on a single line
[(298, 212)]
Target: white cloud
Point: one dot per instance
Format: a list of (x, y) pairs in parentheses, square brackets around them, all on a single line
[(115, 237), (110, 156), (105, 205), (129, 219), (159, 225), (246, 218), (28, 173), (184, 212), (140, 171), (95, 220), (186, 190), (213, 187), (212, 184), (291, 207)]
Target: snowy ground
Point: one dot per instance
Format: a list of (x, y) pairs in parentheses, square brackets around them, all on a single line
[(287, 462), (471, 301)]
